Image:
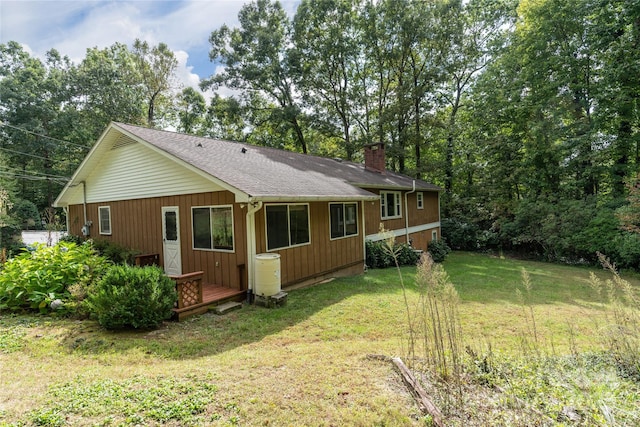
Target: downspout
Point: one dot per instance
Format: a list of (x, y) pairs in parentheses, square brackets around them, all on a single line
[(84, 201), (252, 208), (406, 211), (364, 236)]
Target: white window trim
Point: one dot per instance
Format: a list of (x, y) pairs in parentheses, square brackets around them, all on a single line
[(397, 203), (434, 236), (345, 236), (266, 228), (420, 200), (104, 232), (233, 229)]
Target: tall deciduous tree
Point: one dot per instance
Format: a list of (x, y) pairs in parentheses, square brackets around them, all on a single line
[(192, 109), (256, 58), (108, 88), (36, 103), (327, 52), (157, 65)]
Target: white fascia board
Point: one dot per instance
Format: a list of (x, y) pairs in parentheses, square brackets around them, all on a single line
[(402, 231)]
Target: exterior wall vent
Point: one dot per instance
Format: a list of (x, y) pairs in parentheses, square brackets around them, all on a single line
[(123, 141)]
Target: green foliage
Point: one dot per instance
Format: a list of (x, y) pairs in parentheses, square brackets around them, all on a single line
[(32, 280), (132, 297), (438, 249), (26, 213), (622, 333), (115, 252), (378, 254)]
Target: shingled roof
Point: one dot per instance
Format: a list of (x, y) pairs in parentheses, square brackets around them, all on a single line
[(269, 173)]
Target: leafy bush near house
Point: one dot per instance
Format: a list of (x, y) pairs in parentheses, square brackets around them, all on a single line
[(132, 297), (33, 280), (114, 252), (438, 249), (379, 255)]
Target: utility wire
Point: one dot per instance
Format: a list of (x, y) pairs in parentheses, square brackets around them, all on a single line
[(45, 136), (32, 177), (26, 154), (33, 173)]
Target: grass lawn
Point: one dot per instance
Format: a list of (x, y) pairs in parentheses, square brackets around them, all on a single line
[(306, 363)]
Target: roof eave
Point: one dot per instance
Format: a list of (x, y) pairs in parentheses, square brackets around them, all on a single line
[(333, 198)]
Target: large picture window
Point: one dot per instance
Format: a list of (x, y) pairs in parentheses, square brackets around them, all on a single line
[(104, 219), (287, 225), (390, 206), (213, 228), (344, 219)]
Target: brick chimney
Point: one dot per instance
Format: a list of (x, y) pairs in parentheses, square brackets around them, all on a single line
[(374, 157)]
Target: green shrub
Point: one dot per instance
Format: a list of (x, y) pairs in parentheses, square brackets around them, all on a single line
[(438, 249), (132, 297), (26, 213), (114, 252), (32, 280), (379, 255)]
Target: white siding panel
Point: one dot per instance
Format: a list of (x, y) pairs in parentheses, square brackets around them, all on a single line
[(134, 171)]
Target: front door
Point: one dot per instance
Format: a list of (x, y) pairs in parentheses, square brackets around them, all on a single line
[(171, 240)]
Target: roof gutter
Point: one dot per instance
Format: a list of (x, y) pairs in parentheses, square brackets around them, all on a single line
[(406, 211), (334, 198)]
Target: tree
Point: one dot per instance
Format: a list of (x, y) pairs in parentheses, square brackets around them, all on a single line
[(256, 59), (156, 66), (225, 119), (108, 88), (191, 111), (476, 31), (37, 111), (327, 53)]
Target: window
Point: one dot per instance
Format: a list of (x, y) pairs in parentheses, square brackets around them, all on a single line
[(434, 235), (213, 228), (420, 199), (287, 225), (343, 219), (104, 219), (390, 205)]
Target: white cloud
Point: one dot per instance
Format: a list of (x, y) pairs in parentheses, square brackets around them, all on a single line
[(72, 27)]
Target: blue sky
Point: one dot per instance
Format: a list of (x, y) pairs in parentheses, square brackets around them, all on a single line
[(72, 26)]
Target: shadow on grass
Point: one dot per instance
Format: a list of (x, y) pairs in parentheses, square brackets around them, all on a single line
[(211, 334), (478, 278)]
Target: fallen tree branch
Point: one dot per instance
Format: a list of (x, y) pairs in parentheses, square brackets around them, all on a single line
[(424, 402)]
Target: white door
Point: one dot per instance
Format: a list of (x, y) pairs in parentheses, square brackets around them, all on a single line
[(171, 240)]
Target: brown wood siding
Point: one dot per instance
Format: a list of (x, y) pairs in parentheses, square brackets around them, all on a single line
[(137, 224), (322, 255), (429, 214)]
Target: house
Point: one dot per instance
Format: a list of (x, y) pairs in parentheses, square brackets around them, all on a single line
[(211, 206)]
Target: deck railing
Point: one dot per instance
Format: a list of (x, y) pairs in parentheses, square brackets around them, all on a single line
[(189, 287)]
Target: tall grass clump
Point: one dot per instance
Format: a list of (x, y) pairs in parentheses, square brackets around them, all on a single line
[(529, 340), (434, 330), (622, 331), (438, 320)]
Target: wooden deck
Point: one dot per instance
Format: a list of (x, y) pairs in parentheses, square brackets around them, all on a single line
[(196, 297), (214, 294)]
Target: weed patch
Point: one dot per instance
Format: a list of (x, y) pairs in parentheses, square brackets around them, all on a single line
[(137, 400)]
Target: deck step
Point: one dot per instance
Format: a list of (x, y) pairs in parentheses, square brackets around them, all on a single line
[(227, 307)]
